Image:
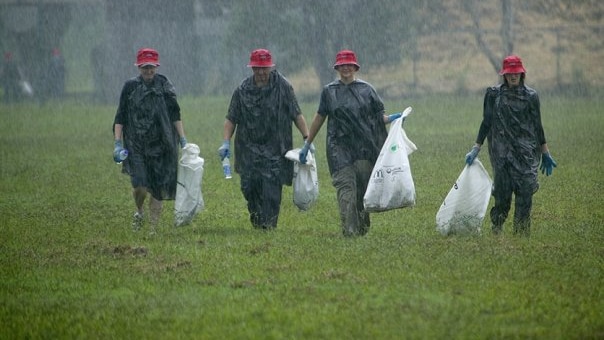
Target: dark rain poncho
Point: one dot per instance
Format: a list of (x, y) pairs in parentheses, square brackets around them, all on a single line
[(512, 123), (263, 117), (148, 113), (355, 127)]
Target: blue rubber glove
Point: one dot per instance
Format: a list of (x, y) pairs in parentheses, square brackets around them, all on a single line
[(183, 142), (224, 150), (304, 152), (394, 116), (547, 164), (119, 151), (311, 148), (470, 156)]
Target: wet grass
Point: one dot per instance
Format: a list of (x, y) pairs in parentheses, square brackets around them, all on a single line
[(71, 267)]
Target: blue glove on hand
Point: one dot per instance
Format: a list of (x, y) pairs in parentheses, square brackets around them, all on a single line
[(312, 147), (470, 156), (225, 149), (547, 164), (119, 153), (304, 152), (394, 116), (183, 142)]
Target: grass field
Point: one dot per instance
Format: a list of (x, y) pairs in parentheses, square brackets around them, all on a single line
[(71, 267)]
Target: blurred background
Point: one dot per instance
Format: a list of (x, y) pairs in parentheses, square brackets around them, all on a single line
[(405, 48)]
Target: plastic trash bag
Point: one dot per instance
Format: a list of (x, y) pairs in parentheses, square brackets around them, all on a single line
[(26, 88), (189, 200), (306, 181), (391, 184), (466, 203)]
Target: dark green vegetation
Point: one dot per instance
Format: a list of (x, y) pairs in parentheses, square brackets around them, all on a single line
[(70, 266)]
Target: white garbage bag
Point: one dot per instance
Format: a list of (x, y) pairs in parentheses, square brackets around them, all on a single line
[(306, 180), (189, 200), (391, 184), (466, 203), (26, 88)]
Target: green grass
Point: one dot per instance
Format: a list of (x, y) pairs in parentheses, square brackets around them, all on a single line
[(70, 266)]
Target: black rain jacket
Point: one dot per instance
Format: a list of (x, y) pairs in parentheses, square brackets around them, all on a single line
[(512, 124), (148, 113), (355, 126), (263, 119)]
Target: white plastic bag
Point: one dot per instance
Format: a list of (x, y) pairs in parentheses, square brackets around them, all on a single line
[(306, 180), (26, 88), (391, 184), (189, 200), (466, 203)]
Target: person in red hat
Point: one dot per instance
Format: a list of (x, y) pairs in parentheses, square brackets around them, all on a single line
[(261, 113), (11, 75), (148, 125), (512, 124), (356, 131), (56, 74)]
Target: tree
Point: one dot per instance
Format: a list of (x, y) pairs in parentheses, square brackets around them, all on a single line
[(506, 33), (311, 32)]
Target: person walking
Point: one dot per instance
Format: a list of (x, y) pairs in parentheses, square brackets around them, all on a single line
[(11, 76), (148, 125), (261, 112), (512, 124), (356, 131), (52, 83), (56, 74)]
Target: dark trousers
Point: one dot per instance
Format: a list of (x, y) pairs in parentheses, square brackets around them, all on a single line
[(262, 190), (12, 92), (351, 183), (509, 181)]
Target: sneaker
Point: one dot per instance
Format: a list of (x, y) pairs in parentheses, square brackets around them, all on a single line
[(137, 221)]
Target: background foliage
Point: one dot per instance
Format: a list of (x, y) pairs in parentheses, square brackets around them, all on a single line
[(407, 46)]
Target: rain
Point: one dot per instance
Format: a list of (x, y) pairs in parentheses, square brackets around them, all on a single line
[(405, 47)]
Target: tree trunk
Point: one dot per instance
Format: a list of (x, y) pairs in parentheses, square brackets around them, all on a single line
[(507, 35), (317, 29), (507, 27)]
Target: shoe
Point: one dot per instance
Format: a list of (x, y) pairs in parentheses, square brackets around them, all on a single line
[(496, 230), (137, 221)]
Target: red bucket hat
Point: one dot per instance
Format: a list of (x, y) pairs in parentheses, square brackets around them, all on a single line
[(261, 58), (346, 57), (147, 56), (512, 64)]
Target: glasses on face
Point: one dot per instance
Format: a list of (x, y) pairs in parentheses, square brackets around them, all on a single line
[(148, 67)]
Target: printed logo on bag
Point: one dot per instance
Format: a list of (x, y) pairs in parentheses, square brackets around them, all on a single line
[(390, 171), (393, 147), (394, 171)]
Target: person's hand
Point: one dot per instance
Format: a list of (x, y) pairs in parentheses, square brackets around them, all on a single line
[(304, 152), (547, 164), (470, 156), (311, 148), (394, 116), (117, 151), (224, 150), (183, 141)]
